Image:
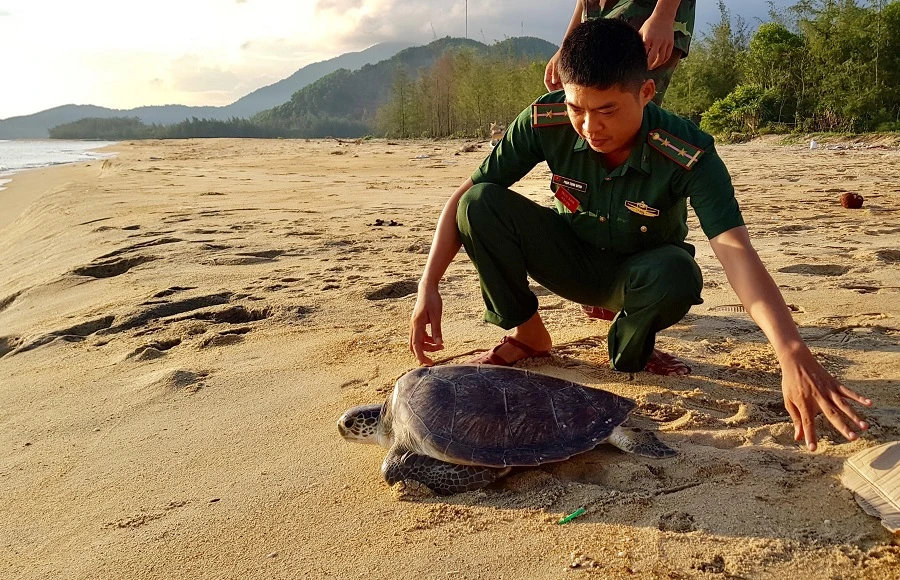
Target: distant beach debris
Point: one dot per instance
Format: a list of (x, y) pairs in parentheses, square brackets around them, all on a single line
[(851, 200), (497, 132)]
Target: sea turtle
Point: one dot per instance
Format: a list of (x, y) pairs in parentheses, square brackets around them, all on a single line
[(457, 428)]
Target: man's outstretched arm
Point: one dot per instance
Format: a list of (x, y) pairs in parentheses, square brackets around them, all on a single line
[(427, 311), (806, 386)]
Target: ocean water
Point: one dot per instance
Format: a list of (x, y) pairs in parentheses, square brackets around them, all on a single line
[(18, 155)]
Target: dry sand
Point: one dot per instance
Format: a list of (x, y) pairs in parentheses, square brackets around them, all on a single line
[(181, 326)]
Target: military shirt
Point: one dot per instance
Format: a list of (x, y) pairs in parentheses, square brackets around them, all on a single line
[(642, 203), (636, 12)]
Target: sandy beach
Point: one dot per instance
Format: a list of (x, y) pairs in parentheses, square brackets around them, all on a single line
[(182, 325)]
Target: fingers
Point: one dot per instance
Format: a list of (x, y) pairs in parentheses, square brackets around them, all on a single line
[(848, 411), (833, 414), (550, 76), (854, 396), (658, 55), (420, 342), (551, 79), (652, 56), (436, 336), (795, 418), (807, 419), (417, 346)]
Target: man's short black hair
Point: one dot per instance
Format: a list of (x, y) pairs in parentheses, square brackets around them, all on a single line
[(602, 54)]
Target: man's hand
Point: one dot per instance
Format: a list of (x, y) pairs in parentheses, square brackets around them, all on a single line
[(551, 79), (426, 312), (808, 388), (659, 40)]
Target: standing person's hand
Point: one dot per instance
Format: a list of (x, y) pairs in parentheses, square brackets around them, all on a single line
[(551, 79), (659, 40), (808, 388), (426, 312)]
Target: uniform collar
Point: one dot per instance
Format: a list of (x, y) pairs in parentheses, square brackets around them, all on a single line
[(640, 154)]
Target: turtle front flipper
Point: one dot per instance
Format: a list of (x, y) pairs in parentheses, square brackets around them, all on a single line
[(439, 476), (640, 442)]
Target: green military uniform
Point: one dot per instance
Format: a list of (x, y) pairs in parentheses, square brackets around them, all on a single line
[(635, 13), (616, 238)]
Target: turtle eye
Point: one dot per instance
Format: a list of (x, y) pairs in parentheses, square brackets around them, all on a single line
[(348, 422)]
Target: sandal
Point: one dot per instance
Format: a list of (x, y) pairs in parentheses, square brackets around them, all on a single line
[(598, 312), (492, 358)]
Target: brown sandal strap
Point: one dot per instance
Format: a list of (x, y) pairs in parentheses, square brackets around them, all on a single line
[(492, 358)]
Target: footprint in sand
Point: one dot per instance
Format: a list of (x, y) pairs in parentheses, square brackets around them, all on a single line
[(111, 268), (157, 310), (153, 350), (394, 290), (172, 290), (9, 344), (71, 334), (225, 338), (676, 521), (888, 256), (181, 380), (816, 269), (7, 302)]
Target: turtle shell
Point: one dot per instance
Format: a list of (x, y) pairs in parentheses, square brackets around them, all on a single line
[(500, 416)]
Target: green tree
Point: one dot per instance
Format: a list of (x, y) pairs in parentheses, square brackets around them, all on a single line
[(742, 111), (712, 69)]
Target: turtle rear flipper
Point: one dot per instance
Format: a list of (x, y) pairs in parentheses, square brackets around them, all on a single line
[(640, 442), (439, 476)]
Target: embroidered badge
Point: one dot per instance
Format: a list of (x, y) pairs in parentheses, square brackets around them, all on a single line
[(570, 183), (681, 152), (548, 114), (642, 208), (567, 199)]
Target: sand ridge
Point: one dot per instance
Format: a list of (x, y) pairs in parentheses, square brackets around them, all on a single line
[(181, 326)]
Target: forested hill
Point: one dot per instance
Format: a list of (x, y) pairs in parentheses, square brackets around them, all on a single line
[(37, 125), (359, 94)]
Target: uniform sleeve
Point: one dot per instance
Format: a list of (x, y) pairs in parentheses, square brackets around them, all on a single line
[(516, 154), (711, 193)]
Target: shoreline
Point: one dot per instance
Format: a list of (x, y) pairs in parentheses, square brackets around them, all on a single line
[(20, 188)]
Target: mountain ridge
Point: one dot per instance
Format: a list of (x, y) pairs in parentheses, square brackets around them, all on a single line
[(37, 125)]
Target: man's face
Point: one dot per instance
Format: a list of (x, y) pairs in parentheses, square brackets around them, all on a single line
[(607, 119)]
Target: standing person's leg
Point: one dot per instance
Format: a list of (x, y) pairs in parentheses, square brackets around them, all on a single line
[(655, 289), (662, 75)]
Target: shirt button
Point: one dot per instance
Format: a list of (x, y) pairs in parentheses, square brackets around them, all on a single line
[(644, 229), (607, 179), (602, 219)]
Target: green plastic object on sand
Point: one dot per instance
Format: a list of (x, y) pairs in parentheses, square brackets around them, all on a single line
[(571, 516)]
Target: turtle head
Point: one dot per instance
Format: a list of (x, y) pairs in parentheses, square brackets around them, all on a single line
[(363, 424)]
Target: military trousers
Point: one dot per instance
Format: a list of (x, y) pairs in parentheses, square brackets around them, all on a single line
[(509, 238)]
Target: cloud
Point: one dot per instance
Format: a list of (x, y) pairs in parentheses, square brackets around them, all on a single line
[(190, 75), (5, 13), (339, 5), (359, 23), (354, 24)]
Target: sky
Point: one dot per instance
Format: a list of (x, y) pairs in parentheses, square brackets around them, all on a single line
[(129, 53)]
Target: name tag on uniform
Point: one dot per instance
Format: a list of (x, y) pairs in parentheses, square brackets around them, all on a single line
[(570, 183), (567, 199), (642, 208)]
